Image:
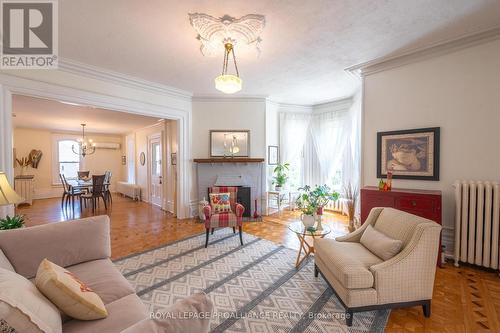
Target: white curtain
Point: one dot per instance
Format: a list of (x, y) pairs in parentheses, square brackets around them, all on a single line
[(330, 132)]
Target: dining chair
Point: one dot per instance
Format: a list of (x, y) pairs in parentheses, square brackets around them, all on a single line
[(83, 175), (107, 184), (68, 193), (98, 191)]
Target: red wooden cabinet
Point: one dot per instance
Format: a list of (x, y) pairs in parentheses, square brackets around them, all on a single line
[(423, 203)]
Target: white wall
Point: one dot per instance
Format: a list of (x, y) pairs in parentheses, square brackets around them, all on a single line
[(459, 92)]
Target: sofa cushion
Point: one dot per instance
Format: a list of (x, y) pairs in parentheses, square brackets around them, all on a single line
[(176, 318), (381, 245), (349, 262), (24, 308), (66, 290), (397, 224), (102, 276), (122, 314), (5, 263)]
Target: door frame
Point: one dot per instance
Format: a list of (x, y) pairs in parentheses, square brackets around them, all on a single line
[(156, 136), (71, 91)]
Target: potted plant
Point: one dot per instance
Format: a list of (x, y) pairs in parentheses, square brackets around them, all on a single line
[(312, 201), (17, 221), (280, 175)]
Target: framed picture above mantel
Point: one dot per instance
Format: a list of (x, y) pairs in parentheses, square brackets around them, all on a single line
[(229, 143), (409, 154)]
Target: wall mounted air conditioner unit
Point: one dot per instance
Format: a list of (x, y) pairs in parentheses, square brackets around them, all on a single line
[(107, 145)]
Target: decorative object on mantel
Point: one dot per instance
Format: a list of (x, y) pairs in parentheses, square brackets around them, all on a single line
[(227, 143), (273, 155), (227, 31), (351, 195), (410, 154), (280, 176), (84, 147), (142, 158)]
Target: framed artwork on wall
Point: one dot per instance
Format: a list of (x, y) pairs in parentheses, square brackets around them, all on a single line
[(273, 155), (409, 154), (229, 143)]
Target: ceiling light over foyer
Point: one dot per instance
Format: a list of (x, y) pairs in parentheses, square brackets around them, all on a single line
[(227, 31)]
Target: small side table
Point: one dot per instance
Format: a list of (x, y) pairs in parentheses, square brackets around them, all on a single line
[(301, 232)]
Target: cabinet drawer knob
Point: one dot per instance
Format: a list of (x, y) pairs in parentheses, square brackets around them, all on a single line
[(413, 203)]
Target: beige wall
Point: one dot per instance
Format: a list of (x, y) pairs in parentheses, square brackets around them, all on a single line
[(458, 92), (26, 139)]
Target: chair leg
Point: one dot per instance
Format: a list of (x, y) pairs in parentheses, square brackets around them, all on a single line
[(213, 230), (208, 235), (105, 204), (241, 235), (348, 318), (316, 271), (234, 230), (426, 307), (62, 201)]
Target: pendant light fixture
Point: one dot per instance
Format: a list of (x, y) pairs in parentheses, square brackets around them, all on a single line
[(84, 147), (228, 83)]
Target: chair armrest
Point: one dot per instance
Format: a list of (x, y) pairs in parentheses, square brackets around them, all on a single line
[(355, 236), (239, 210), (409, 276), (64, 243)]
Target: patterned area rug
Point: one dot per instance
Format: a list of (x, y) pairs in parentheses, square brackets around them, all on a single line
[(254, 288)]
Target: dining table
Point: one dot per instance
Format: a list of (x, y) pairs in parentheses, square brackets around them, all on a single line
[(80, 184)]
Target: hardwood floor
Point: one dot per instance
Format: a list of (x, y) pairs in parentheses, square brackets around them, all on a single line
[(465, 299)]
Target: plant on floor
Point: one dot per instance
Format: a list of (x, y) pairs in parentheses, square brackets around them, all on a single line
[(280, 175), (351, 195), (17, 221)]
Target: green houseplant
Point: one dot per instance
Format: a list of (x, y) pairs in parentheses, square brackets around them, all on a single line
[(311, 202), (17, 221), (280, 175)]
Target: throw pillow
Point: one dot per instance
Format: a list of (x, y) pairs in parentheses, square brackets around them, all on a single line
[(5, 263), (380, 244), (189, 315), (220, 202), (68, 292), (23, 308)]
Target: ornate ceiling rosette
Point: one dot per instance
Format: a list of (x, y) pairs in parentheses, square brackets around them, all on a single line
[(215, 32)]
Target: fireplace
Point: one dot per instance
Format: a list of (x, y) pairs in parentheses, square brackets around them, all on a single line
[(246, 174), (243, 197)]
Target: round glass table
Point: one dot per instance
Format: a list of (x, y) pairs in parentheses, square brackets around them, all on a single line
[(302, 232)]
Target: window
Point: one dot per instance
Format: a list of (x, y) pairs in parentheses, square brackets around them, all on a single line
[(68, 161)]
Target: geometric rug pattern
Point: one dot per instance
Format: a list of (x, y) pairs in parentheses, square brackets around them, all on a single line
[(254, 287)]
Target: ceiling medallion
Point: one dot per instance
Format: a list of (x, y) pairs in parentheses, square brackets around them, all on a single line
[(227, 31), (214, 32)]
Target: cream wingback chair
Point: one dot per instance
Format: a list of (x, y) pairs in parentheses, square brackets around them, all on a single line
[(365, 282)]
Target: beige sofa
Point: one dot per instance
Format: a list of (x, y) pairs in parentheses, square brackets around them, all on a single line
[(364, 282), (83, 247)]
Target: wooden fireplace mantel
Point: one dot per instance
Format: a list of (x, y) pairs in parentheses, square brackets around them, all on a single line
[(229, 160)]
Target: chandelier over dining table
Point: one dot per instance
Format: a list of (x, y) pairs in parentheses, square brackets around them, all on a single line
[(85, 147)]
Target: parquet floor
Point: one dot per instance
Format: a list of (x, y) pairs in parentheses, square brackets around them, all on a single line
[(465, 299)]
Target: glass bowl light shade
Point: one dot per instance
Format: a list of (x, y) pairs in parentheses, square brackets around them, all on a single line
[(228, 84)]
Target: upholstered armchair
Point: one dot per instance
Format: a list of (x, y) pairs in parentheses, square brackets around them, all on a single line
[(364, 282), (222, 219)]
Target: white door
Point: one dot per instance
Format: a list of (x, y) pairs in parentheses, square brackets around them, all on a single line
[(156, 177)]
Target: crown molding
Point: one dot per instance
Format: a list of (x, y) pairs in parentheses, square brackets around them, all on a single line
[(418, 54), (98, 73)]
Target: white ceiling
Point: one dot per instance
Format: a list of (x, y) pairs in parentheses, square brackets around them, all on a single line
[(306, 44), (31, 112)]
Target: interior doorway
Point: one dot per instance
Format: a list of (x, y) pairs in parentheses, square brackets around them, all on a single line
[(156, 170)]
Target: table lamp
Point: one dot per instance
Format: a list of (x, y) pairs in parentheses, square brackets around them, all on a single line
[(7, 194)]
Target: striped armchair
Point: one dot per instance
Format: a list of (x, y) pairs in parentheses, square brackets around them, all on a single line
[(233, 219)]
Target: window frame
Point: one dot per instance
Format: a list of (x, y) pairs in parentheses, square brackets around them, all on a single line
[(56, 138)]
